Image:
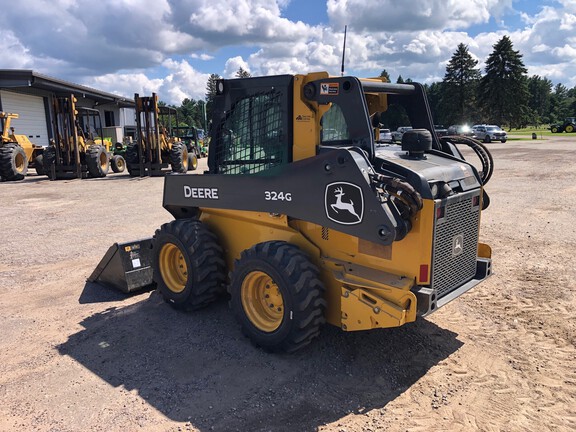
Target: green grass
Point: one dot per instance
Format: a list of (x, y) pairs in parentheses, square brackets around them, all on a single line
[(542, 131)]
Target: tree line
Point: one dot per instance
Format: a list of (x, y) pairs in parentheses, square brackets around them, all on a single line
[(505, 95)]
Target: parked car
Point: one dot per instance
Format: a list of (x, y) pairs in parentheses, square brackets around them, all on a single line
[(463, 130), (488, 133), (385, 136), (440, 130), (397, 134)]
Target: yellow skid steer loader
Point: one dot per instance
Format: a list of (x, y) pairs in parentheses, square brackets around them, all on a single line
[(302, 219)]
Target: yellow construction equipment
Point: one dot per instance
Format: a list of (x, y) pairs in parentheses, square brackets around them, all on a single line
[(302, 219), (79, 149), (156, 148), (17, 153)]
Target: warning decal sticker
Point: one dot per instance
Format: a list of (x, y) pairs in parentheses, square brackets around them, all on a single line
[(330, 89)]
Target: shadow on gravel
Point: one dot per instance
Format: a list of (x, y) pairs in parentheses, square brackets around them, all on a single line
[(97, 293), (198, 368)]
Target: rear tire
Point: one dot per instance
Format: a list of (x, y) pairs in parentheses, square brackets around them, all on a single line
[(13, 162), (97, 161), (277, 296), (569, 128), (188, 264), (179, 158), (117, 163), (487, 139)]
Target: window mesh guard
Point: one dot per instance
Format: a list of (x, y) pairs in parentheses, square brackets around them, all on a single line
[(252, 136)]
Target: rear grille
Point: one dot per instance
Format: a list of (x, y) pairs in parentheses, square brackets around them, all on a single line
[(452, 266)]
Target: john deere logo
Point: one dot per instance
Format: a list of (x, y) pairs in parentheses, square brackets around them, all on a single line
[(344, 203), (457, 245)]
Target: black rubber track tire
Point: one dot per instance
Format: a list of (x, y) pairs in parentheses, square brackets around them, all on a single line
[(179, 158), (13, 162), (97, 161), (204, 258), (302, 293), (132, 159), (117, 163)]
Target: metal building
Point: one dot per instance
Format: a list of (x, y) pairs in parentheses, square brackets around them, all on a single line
[(30, 94)]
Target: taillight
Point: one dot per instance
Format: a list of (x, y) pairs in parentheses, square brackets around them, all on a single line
[(423, 273), (440, 212)]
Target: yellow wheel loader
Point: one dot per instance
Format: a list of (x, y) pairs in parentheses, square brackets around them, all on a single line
[(17, 153), (303, 220), (79, 149), (156, 148)]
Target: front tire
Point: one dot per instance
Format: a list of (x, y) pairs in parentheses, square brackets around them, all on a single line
[(13, 162), (97, 161), (189, 267), (179, 158), (192, 161), (39, 164), (49, 162), (277, 296), (117, 163), (133, 159)]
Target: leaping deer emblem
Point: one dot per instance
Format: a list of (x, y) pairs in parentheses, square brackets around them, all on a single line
[(340, 205)]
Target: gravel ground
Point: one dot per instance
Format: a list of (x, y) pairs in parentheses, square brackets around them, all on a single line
[(75, 356)]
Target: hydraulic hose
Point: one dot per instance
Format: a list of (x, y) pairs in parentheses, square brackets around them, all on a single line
[(400, 190), (480, 150)]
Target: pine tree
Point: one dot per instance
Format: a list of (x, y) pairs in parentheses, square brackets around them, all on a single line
[(242, 73), (435, 92), (460, 83), (540, 90), (503, 91), (385, 74), (210, 93)]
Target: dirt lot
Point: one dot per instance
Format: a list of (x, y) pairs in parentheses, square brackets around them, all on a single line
[(77, 357)]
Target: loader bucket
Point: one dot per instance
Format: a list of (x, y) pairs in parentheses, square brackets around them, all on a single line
[(126, 266)]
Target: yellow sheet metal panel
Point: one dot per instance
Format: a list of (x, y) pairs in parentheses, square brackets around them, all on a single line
[(307, 117)]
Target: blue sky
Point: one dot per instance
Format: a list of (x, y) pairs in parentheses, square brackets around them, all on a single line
[(172, 46)]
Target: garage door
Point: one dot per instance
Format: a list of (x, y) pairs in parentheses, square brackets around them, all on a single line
[(32, 120)]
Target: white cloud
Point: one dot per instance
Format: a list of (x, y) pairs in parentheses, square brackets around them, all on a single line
[(202, 56), (391, 15), (127, 46), (233, 64)]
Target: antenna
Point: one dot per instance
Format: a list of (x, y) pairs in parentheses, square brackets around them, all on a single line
[(343, 52)]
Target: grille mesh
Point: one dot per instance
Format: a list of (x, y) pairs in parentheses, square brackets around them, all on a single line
[(460, 223)]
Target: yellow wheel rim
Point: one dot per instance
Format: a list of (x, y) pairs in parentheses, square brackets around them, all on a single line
[(262, 301), (569, 128), (103, 160), (20, 162), (173, 267)]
